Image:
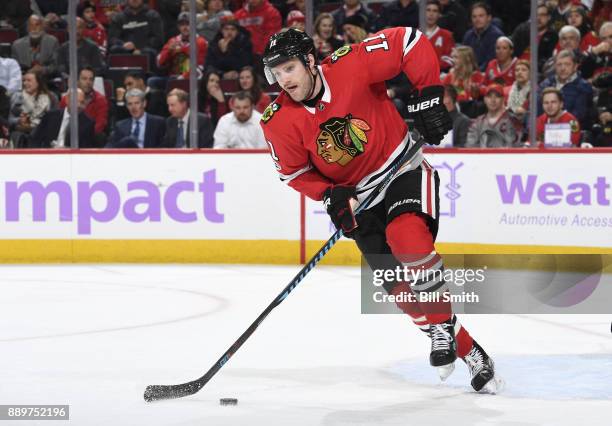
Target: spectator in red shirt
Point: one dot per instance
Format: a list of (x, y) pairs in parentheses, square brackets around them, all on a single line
[(262, 20), (501, 69), (93, 30), (174, 56), (441, 39), (297, 20), (96, 104), (552, 103)]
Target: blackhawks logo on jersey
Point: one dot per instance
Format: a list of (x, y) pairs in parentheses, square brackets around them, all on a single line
[(343, 51), (269, 112), (342, 139)]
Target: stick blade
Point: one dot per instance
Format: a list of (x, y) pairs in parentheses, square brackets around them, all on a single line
[(159, 392)]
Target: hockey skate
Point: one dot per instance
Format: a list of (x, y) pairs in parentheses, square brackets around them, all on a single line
[(482, 371), (443, 348)]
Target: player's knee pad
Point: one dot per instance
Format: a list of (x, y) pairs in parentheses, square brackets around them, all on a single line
[(409, 234)]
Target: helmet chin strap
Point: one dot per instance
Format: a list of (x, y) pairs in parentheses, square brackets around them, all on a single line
[(313, 77)]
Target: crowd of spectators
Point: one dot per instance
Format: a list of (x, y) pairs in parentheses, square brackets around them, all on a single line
[(133, 59)]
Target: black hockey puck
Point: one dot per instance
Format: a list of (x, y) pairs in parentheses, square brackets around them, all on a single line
[(228, 401)]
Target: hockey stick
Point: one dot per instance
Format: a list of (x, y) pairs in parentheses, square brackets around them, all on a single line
[(156, 392)]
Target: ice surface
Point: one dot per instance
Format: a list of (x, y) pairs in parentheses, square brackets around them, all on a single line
[(93, 336)]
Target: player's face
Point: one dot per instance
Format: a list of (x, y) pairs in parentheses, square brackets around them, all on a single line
[(327, 149), (432, 14), (565, 68), (494, 102), (480, 19), (135, 106), (551, 104), (503, 51), (294, 78), (521, 74)]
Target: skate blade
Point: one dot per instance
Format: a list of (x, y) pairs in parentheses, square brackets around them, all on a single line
[(493, 386), (445, 371)]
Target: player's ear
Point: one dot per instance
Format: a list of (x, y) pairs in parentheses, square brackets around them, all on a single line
[(312, 62)]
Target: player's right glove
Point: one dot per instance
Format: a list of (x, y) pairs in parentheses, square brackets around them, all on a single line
[(430, 116), (337, 202)]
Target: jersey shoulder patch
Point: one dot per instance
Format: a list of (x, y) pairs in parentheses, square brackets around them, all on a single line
[(341, 52), (269, 112)]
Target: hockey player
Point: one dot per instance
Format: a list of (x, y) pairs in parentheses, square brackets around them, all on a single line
[(334, 134)]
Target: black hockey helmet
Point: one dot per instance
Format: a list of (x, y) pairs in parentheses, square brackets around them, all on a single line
[(285, 45)]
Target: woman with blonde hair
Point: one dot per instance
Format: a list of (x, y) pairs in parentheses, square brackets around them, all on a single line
[(325, 39), (354, 28), (465, 77)]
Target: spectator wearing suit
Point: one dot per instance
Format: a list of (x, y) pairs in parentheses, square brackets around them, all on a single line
[(54, 128), (261, 19), (36, 50), (10, 75), (88, 54), (483, 35), (141, 130), (230, 51), (461, 122), (577, 92), (398, 13), (240, 128), (137, 29), (351, 8), (96, 104), (178, 124)]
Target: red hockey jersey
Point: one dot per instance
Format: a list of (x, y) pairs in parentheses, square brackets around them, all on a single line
[(354, 133), (494, 74), (443, 42)]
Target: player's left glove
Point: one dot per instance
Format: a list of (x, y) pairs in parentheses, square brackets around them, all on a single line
[(430, 116), (337, 202)]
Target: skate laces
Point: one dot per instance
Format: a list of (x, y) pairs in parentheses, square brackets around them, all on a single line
[(475, 360), (440, 337)]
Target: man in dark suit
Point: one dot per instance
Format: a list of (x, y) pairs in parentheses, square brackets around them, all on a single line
[(141, 130), (177, 125), (54, 128)]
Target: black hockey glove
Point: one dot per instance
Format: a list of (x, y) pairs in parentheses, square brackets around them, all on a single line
[(337, 201), (430, 116)]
